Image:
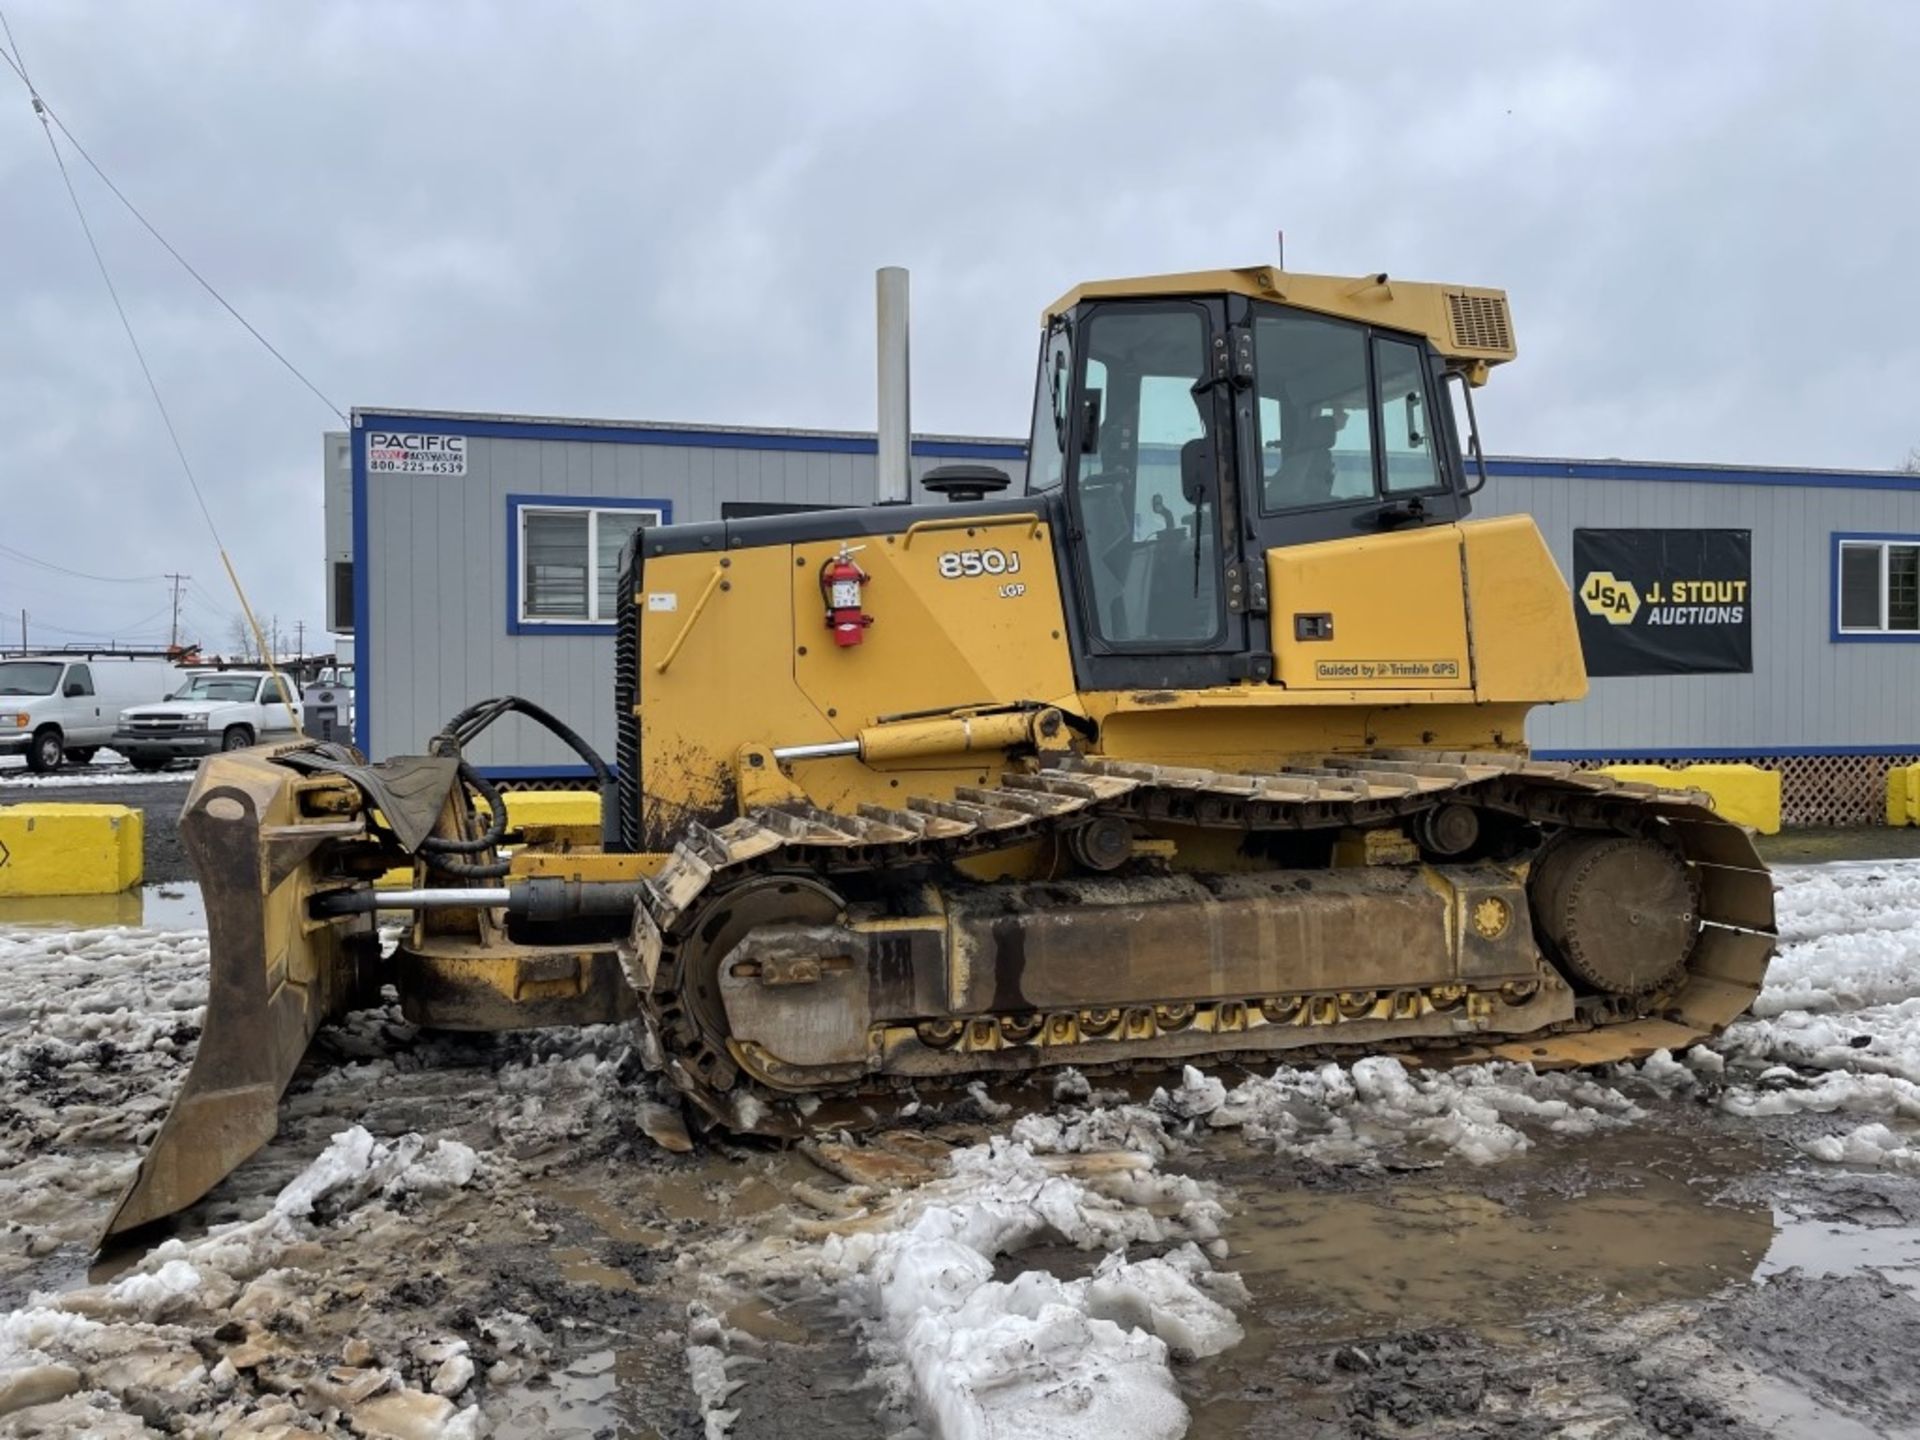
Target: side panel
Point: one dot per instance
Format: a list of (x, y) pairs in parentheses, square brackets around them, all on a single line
[(962, 616), (748, 659), (1525, 644), (1385, 612)]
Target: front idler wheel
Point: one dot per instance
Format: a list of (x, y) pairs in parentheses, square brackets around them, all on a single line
[(1620, 912)]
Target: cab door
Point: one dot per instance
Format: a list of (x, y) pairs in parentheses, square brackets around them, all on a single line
[(1355, 488), (1152, 534)]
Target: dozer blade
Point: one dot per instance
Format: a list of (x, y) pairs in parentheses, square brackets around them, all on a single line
[(275, 976)]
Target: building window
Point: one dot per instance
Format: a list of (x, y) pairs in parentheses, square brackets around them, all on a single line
[(1877, 586), (566, 570), (342, 618)]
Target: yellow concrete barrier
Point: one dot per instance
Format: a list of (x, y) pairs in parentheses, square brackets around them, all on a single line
[(1744, 794), (69, 849), (1903, 795), (551, 807)]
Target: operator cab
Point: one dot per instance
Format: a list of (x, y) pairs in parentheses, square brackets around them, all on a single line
[(1189, 424)]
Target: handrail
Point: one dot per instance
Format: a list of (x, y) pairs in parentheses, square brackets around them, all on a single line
[(693, 615), (968, 522)]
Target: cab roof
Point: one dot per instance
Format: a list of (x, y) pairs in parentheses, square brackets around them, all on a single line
[(1470, 326)]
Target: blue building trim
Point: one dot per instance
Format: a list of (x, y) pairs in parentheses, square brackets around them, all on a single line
[(540, 772), (1515, 468), (1861, 637), (695, 439), (517, 503), (1733, 752), (362, 598)]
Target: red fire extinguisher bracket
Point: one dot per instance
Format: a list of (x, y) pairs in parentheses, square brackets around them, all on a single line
[(841, 579)]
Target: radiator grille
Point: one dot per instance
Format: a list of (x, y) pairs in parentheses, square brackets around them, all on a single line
[(626, 694), (1480, 322)]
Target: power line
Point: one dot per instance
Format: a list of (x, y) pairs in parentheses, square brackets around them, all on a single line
[(186, 466), (46, 113), (166, 418), (27, 559)]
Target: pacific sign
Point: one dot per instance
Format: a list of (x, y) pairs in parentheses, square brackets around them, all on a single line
[(390, 452)]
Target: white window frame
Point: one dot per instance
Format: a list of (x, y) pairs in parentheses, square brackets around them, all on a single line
[(654, 515), (1886, 588)]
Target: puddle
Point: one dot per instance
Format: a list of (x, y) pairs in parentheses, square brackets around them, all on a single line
[(1826, 1247), (175, 906), (599, 1396), (579, 1267), (1428, 1256), (1487, 1252)]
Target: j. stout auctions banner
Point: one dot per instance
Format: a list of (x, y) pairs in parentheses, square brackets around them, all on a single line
[(1664, 602)]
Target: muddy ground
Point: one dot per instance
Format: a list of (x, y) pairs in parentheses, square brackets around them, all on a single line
[(1689, 1274), (1641, 1251)]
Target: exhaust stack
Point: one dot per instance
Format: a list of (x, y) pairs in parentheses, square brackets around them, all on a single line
[(892, 479)]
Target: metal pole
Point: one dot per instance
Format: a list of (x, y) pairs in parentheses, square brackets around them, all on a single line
[(824, 750), (441, 899), (895, 428), (174, 643)]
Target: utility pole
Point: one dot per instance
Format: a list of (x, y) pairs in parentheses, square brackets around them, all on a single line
[(174, 644), (23, 632), (299, 639)]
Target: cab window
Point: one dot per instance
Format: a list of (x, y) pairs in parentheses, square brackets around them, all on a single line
[(1407, 427), (1151, 544), (1052, 417), (79, 680), (1316, 423)]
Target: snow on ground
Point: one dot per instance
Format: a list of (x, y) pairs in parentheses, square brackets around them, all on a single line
[(975, 1357), (134, 1339), (107, 768), (96, 1027), (948, 1270), (1842, 1001)]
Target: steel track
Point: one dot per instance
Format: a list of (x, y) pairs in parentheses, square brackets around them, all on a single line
[(1733, 942)]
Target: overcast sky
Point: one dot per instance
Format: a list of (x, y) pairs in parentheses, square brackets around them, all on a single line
[(1705, 215)]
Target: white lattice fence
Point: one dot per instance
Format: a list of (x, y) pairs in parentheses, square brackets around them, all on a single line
[(1818, 790)]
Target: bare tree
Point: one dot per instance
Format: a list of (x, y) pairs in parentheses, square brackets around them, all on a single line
[(240, 637), (1911, 465)]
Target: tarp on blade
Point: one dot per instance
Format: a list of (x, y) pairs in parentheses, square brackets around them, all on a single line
[(409, 791)]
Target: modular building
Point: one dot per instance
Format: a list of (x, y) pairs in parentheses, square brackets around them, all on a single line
[(1728, 613)]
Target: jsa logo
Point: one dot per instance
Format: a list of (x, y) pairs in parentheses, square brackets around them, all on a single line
[(1611, 599), (963, 564)]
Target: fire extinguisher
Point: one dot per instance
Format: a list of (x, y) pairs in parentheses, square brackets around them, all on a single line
[(840, 582)]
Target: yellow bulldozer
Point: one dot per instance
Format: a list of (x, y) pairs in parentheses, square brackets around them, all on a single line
[(1207, 745)]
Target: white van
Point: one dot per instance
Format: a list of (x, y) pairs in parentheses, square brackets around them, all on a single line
[(56, 708)]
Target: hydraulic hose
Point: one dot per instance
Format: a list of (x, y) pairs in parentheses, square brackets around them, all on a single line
[(441, 852)]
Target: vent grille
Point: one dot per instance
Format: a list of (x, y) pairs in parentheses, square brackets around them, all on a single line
[(1480, 322), (626, 694)]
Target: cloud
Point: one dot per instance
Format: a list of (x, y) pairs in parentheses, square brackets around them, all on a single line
[(674, 213)]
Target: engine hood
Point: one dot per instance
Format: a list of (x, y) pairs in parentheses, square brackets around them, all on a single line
[(178, 707)]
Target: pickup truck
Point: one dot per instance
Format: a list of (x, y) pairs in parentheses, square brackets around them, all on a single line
[(218, 710)]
